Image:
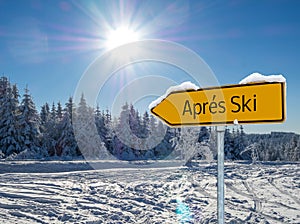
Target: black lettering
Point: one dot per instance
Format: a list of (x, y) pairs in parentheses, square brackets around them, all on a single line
[(245, 105), (222, 106), (213, 105), (204, 106), (195, 111), (235, 103), (185, 109)]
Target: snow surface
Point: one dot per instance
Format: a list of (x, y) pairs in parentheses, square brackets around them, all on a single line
[(182, 87), (254, 193), (257, 77)]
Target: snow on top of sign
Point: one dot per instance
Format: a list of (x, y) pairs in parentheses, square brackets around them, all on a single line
[(257, 77), (182, 87)]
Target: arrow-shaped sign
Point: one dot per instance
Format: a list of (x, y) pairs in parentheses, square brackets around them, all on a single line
[(248, 103)]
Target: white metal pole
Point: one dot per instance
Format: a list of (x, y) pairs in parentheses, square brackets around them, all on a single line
[(220, 145)]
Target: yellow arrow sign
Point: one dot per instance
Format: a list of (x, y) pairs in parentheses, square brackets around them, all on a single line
[(249, 103)]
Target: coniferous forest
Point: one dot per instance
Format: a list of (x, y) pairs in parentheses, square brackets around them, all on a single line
[(29, 133)]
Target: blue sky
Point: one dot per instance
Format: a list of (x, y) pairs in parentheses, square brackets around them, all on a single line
[(49, 44)]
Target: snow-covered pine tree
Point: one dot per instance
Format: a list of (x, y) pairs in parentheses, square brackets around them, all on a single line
[(80, 120), (53, 112), (137, 137), (70, 107), (110, 125), (85, 130), (152, 124), (45, 114), (145, 125), (189, 146), (239, 143), (243, 142), (203, 138), (157, 139), (100, 124), (59, 112), (4, 83), (228, 144), (108, 118), (166, 146), (15, 92), (29, 129), (122, 140), (236, 145), (67, 142), (57, 115), (9, 130), (203, 135), (133, 118), (50, 132), (148, 138)]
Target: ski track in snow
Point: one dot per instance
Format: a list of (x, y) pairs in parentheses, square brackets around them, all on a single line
[(262, 193)]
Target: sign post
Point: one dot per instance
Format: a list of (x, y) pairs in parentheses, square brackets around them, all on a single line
[(220, 145), (250, 103)]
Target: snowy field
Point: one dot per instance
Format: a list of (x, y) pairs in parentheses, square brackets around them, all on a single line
[(73, 192)]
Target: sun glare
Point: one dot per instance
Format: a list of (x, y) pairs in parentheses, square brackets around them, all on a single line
[(120, 36)]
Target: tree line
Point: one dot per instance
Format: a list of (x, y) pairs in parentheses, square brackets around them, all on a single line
[(26, 133)]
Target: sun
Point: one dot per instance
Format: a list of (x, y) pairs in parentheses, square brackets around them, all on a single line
[(121, 35)]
